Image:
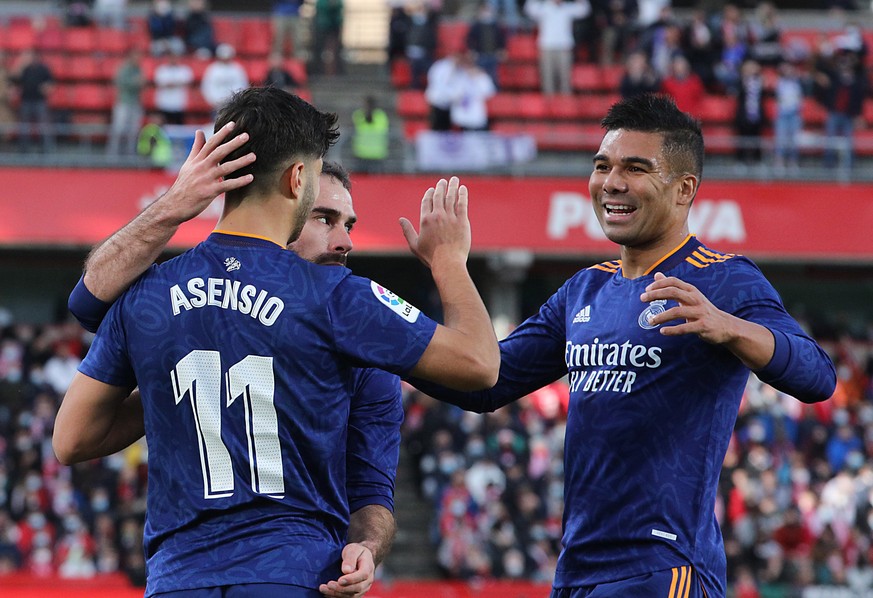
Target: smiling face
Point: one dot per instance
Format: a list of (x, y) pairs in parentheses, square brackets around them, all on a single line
[(640, 202), (325, 236)]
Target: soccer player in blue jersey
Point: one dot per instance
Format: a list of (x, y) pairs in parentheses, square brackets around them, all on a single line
[(376, 411), (658, 346), (244, 354)]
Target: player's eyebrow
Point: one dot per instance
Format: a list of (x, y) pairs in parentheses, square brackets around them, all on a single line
[(626, 160)]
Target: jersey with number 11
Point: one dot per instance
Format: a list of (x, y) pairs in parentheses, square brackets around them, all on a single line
[(244, 355)]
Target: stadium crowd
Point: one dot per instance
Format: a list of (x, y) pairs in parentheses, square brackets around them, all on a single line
[(795, 505)]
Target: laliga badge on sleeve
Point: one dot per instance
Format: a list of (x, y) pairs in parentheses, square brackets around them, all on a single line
[(405, 310)]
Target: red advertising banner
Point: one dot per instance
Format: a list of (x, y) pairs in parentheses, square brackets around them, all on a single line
[(779, 220)]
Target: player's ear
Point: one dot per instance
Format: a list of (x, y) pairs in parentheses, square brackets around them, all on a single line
[(687, 189), (293, 180)]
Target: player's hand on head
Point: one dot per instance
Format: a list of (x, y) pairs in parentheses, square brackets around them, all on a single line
[(358, 570), (202, 177), (444, 227), (694, 314)]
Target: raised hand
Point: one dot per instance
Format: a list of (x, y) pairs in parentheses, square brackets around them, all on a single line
[(444, 228), (202, 177)]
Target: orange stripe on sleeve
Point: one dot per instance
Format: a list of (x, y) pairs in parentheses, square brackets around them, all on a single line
[(672, 592)]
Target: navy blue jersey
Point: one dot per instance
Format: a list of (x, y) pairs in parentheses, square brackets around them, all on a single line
[(245, 356), (650, 416), (375, 418)]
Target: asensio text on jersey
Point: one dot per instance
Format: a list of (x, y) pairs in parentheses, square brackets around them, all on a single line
[(245, 355)]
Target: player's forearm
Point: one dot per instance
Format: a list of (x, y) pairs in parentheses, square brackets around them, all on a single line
[(465, 314), (116, 263), (752, 343), (374, 527)]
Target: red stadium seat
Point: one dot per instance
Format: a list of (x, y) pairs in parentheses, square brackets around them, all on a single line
[(564, 107), (80, 40), (522, 47), (451, 37), (227, 30), (18, 38), (401, 74), (411, 128), (593, 107), (519, 76), (586, 78), (90, 97), (59, 97), (532, 106), (112, 42), (50, 39), (717, 109), (719, 139), (411, 104), (256, 38), (503, 106), (814, 115), (612, 75), (89, 68)]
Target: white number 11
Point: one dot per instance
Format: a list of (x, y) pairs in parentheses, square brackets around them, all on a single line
[(198, 375)]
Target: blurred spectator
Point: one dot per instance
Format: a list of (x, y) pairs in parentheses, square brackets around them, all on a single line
[(77, 13), (615, 22), (732, 41), (684, 86), (486, 38), (111, 13), (327, 46), (154, 143), (507, 13), (421, 40), (750, 116), (127, 112), (370, 139), (843, 85), (35, 82), (164, 29), (279, 76), (651, 12), (765, 35), (173, 81), (554, 20), (7, 114), (440, 91), (222, 77), (662, 42), (287, 25), (471, 89), (790, 91), (639, 77), (197, 26), (398, 25), (698, 45), (60, 368)]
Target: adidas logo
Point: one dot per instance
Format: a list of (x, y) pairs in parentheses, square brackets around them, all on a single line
[(584, 315)]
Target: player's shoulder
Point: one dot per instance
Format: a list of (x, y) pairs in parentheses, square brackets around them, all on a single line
[(706, 260), (601, 269)]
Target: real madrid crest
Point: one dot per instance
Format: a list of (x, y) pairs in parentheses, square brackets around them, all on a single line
[(654, 308)]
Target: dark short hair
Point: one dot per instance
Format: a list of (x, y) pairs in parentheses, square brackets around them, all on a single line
[(282, 129), (657, 113), (337, 172)]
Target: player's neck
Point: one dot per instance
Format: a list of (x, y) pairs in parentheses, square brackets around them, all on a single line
[(271, 219), (638, 261)]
